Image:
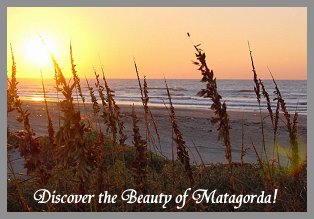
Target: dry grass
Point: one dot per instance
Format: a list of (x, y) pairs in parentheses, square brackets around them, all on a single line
[(140, 162), (51, 131), (111, 116), (220, 108), (182, 153), (148, 116), (76, 79), (294, 157), (258, 83)]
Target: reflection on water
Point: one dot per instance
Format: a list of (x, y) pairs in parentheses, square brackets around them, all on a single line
[(37, 99)]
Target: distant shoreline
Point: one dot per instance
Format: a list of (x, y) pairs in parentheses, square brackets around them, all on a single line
[(153, 105), (218, 79)]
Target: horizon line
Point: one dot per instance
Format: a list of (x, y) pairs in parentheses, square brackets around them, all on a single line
[(239, 79)]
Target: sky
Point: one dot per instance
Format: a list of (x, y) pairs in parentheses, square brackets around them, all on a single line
[(157, 39)]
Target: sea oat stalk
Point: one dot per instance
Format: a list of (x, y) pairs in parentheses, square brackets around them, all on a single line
[(140, 163), (220, 109), (291, 126), (182, 153), (50, 126)]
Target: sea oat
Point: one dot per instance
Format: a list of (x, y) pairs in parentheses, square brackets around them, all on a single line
[(101, 89), (76, 78), (182, 153), (147, 111), (258, 97), (111, 109), (291, 126), (140, 162), (50, 126), (220, 109)]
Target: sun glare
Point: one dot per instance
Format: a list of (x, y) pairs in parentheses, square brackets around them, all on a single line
[(38, 99), (37, 52)]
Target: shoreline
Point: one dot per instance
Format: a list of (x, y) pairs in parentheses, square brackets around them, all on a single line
[(124, 104)]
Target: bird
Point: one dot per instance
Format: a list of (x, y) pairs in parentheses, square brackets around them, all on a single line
[(188, 34)]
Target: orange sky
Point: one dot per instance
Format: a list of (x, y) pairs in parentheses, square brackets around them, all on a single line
[(157, 38)]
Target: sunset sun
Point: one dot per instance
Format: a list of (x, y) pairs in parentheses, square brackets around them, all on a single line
[(36, 51)]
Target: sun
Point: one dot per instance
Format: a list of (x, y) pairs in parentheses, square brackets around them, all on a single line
[(36, 51)]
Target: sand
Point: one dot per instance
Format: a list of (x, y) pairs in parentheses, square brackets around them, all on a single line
[(193, 123)]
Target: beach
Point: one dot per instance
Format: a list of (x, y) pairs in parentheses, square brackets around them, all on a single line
[(194, 124), (106, 103)]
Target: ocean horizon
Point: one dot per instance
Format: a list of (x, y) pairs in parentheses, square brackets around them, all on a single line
[(238, 94)]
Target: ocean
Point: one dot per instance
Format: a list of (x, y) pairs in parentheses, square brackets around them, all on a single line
[(239, 95)]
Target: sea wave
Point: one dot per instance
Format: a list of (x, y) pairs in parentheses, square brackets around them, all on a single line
[(239, 95)]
